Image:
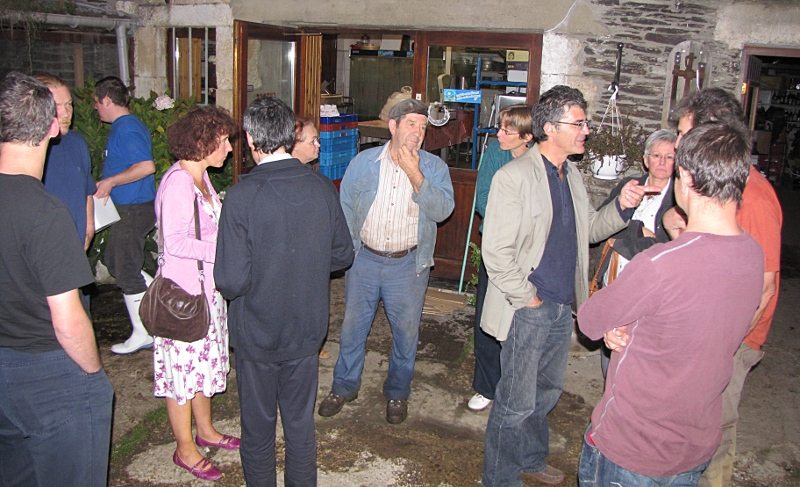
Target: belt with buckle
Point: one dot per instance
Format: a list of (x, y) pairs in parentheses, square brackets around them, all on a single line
[(391, 255)]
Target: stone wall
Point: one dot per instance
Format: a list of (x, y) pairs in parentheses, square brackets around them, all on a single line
[(649, 30), (150, 42)]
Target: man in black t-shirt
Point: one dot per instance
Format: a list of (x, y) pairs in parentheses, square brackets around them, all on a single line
[(55, 399)]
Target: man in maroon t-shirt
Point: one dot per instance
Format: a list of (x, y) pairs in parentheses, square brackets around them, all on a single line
[(682, 310)]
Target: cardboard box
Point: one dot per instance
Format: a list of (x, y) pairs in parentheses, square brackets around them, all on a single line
[(517, 76), (391, 42)]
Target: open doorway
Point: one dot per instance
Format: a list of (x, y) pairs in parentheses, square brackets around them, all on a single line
[(771, 98)]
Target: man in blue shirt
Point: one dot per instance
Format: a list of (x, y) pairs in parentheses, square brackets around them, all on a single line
[(128, 178), (68, 169)]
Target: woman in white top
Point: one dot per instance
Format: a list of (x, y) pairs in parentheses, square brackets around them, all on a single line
[(646, 227)]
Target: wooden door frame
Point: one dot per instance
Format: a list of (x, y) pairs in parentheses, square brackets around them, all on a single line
[(749, 51), (530, 41)]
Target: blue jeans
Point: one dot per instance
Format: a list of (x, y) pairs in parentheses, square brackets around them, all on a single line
[(395, 281), (55, 421), (487, 348), (533, 360), (596, 470), (265, 388)]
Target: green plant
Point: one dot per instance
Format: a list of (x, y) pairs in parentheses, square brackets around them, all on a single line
[(612, 141), (475, 260)]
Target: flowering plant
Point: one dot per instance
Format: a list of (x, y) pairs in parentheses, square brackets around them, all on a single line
[(164, 102)]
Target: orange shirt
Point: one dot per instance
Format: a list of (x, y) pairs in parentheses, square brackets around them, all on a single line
[(760, 216)]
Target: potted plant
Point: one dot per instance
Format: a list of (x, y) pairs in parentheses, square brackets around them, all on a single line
[(611, 150)]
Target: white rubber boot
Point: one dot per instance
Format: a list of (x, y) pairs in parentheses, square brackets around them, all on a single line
[(148, 279), (139, 338)]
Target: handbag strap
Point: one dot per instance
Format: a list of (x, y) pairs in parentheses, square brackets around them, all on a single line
[(197, 235), (603, 257), (200, 268)]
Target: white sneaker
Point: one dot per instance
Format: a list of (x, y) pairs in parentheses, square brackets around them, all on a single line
[(478, 403)]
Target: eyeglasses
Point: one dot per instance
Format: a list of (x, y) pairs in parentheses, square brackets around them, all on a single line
[(508, 132), (662, 157), (581, 124), (312, 141)]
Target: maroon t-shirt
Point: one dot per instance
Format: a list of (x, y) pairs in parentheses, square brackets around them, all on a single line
[(688, 304)]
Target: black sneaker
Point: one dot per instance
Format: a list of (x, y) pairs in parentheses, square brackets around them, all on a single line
[(332, 404), (396, 411)]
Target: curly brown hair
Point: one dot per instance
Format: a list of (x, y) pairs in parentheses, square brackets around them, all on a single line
[(196, 135)]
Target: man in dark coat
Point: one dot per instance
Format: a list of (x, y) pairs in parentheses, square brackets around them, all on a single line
[(281, 233)]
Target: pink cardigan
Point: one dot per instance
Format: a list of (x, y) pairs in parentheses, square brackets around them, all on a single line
[(176, 224)]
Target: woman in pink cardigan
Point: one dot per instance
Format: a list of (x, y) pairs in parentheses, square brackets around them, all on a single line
[(188, 374)]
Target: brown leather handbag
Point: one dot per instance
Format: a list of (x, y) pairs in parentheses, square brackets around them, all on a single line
[(168, 311)]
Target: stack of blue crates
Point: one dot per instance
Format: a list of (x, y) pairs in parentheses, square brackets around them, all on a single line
[(338, 141)]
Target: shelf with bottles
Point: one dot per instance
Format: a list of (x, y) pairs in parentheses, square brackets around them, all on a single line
[(786, 98)]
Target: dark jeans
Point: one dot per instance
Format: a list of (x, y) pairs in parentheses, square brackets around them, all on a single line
[(264, 389), (124, 253), (534, 359), (487, 348), (595, 470), (55, 421)]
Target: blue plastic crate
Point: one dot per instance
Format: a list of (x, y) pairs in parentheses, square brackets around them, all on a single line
[(335, 171), (350, 117), (338, 134), (333, 158), (341, 144)]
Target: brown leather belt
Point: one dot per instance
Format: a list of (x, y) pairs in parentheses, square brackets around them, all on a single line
[(391, 255)]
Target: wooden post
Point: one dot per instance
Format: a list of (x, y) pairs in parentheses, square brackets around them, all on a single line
[(77, 60)]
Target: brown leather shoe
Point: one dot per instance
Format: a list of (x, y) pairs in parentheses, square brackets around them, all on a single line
[(550, 475), (332, 404), (396, 411)]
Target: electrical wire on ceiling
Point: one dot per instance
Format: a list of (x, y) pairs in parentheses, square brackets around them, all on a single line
[(566, 16)]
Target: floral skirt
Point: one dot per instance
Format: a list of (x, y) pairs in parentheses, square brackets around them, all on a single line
[(183, 369)]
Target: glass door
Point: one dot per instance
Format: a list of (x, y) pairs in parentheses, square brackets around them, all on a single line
[(273, 61), (271, 69)]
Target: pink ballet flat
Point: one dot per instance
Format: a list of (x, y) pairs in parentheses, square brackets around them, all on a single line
[(203, 469), (227, 442)]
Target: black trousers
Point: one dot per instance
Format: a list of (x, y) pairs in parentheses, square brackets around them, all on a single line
[(487, 348), (264, 389), (124, 253)]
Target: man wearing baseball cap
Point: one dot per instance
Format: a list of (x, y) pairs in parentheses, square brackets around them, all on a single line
[(392, 196)]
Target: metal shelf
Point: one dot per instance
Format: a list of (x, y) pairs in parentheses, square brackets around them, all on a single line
[(477, 131)]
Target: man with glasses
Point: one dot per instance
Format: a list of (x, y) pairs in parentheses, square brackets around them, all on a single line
[(539, 223)]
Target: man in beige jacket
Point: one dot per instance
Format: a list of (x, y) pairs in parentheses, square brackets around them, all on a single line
[(539, 223)]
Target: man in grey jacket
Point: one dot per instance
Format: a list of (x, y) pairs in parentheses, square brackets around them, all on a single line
[(539, 223)]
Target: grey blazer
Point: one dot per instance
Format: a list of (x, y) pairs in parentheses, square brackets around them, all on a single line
[(515, 231)]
